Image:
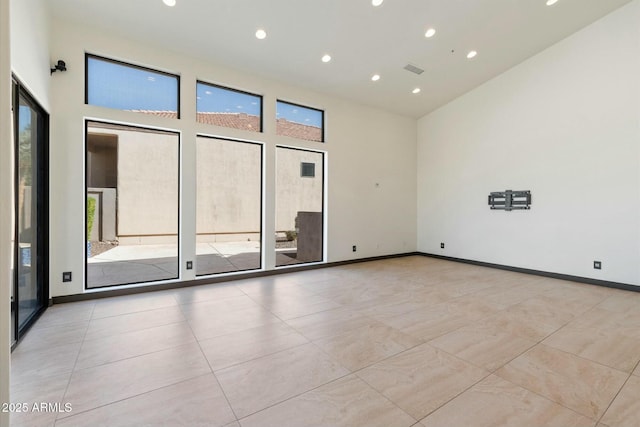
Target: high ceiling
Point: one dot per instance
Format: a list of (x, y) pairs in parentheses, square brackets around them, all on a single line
[(362, 40)]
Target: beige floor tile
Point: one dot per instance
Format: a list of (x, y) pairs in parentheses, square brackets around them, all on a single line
[(64, 314), (105, 384), (217, 291), (274, 285), (48, 390), (389, 309), (601, 336), (637, 370), (472, 307), (132, 304), (429, 323), (579, 384), (257, 384), (43, 338), (211, 324), (621, 301), (506, 297), (421, 379), (191, 403), (290, 306), (573, 298), (131, 344), (532, 319), (240, 347), (625, 409), (219, 306), (347, 402), (329, 323), (29, 366), (367, 345), (495, 402), (108, 326), (485, 346)]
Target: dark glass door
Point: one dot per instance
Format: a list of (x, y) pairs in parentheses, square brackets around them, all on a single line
[(30, 292)]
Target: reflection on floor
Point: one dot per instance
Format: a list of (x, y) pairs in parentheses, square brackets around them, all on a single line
[(403, 342)]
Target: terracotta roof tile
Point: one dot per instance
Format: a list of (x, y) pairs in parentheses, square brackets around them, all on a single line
[(247, 122)]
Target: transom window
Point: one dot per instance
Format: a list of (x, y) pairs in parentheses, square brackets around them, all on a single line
[(122, 86), (230, 108), (299, 122)]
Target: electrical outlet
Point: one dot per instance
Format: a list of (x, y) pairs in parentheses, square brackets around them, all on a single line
[(441, 245), (66, 276), (353, 248), (189, 265), (597, 265)]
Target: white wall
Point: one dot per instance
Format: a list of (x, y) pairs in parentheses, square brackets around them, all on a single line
[(364, 146), (563, 124), (30, 47), (6, 183)]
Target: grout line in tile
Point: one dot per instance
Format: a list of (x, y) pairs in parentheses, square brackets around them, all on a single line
[(224, 393), (73, 369), (617, 394)]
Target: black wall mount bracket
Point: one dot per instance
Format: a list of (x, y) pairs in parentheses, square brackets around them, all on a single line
[(510, 200)]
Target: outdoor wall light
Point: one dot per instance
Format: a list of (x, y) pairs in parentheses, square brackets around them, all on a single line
[(60, 66)]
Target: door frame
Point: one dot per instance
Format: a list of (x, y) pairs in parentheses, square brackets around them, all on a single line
[(42, 205)]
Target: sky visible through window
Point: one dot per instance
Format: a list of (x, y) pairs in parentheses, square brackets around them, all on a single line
[(214, 99), (123, 87), (298, 114)]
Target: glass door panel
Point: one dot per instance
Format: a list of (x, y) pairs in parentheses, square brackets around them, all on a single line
[(30, 288)]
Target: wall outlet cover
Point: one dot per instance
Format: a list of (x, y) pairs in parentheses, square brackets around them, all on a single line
[(441, 245), (66, 276), (189, 265), (597, 265)]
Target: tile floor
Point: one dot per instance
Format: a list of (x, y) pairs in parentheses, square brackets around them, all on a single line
[(408, 341)]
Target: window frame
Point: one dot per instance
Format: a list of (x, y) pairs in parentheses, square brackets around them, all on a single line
[(262, 206), (154, 282), (322, 126), (88, 56), (230, 89)]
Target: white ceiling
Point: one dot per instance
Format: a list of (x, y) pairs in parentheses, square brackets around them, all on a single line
[(362, 39)]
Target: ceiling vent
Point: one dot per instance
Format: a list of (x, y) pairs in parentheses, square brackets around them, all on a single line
[(414, 69)]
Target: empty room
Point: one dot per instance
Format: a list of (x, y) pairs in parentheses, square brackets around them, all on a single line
[(393, 213)]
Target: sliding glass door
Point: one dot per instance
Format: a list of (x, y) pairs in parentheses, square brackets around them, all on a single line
[(30, 290)]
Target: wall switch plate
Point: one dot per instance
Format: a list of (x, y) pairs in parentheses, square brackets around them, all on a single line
[(189, 265), (597, 265), (353, 248), (441, 245), (66, 276)]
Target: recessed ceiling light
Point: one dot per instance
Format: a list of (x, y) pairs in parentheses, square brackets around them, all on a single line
[(416, 90), (261, 34), (551, 2), (472, 54), (430, 33), (375, 77), (376, 3), (326, 58), (170, 3)]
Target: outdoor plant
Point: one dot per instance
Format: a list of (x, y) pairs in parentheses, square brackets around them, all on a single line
[(91, 213), (291, 235)]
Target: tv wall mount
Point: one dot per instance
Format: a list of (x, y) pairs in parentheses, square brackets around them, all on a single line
[(510, 200)]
